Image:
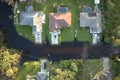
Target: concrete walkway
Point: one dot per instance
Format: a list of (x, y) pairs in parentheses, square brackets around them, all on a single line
[(105, 74), (96, 38)]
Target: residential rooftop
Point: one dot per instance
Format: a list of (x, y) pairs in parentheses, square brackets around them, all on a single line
[(59, 20), (91, 20), (31, 18)]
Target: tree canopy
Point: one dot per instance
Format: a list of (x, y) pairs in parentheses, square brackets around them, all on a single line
[(9, 61), (67, 70), (116, 36)]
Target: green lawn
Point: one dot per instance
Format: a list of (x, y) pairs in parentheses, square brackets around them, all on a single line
[(26, 32), (84, 35), (29, 68), (90, 68), (21, 6), (67, 35)]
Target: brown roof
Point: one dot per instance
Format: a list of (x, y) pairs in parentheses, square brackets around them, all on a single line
[(59, 20)]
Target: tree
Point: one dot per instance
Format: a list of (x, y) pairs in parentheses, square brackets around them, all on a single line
[(115, 68), (107, 39), (117, 77), (110, 5), (63, 75), (9, 60), (116, 36), (67, 70)]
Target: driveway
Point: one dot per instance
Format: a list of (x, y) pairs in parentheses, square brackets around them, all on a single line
[(105, 73), (38, 37), (54, 38), (96, 38)]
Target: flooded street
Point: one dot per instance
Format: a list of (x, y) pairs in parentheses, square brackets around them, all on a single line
[(64, 51)]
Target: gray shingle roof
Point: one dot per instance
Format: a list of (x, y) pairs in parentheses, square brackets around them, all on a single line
[(31, 18), (26, 18), (92, 20), (89, 18)]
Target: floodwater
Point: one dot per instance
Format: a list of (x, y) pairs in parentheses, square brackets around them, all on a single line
[(67, 50)]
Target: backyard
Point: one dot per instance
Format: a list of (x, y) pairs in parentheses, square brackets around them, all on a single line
[(67, 35)]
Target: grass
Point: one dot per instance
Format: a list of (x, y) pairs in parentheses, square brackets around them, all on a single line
[(114, 67), (26, 32), (90, 68), (30, 68), (84, 35), (67, 35), (21, 6)]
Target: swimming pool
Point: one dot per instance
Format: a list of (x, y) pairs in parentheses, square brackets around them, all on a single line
[(62, 10)]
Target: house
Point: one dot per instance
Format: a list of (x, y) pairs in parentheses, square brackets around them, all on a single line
[(57, 21), (91, 19), (34, 19)]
